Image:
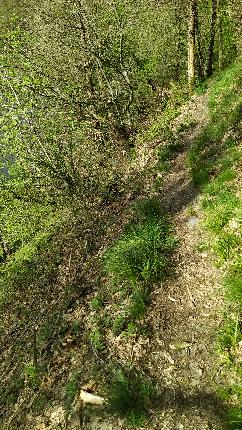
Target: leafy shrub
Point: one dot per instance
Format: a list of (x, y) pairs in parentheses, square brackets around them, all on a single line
[(96, 303), (235, 418)]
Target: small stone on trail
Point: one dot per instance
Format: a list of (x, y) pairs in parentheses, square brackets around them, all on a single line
[(179, 426), (194, 220)]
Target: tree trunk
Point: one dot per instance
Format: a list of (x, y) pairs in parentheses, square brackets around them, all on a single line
[(212, 38), (191, 44), (200, 57), (221, 47), (4, 248)]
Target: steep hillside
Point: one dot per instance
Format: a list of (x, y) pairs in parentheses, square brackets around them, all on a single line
[(136, 307)]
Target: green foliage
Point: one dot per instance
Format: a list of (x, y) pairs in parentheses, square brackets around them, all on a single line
[(233, 283), (212, 148), (230, 334), (35, 260), (201, 88), (32, 375), (132, 329), (233, 393), (214, 161), (96, 303), (97, 340), (139, 299), (143, 254), (70, 390), (129, 396), (118, 324), (227, 245), (76, 327), (235, 417), (160, 128)]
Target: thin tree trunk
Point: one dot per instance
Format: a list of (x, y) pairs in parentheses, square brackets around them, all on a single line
[(220, 54), (220, 36), (191, 44), (4, 248), (212, 38), (200, 59)]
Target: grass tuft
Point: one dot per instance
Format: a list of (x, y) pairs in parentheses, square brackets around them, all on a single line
[(143, 254), (129, 396)]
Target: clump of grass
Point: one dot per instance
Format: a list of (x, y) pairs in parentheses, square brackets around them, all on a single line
[(32, 375), (226, 246), (118, 324), (201, 87), (232, 394), (96, 303), (97, 340), (230, 334), (70, 390), (129, 396), (138, 303), (143, 254), (233, 283)]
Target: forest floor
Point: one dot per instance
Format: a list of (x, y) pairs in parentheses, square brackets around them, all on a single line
[(183, 318)]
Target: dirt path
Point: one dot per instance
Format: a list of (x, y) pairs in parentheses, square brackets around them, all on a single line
[(186, 311), (184, 316)]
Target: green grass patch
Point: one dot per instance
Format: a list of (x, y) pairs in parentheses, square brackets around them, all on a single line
[(214, 161), (212, 146), (233, 283), (230, 334), (233, 395), (143, 254), (139, 301), (97, 340), (148, 209), (129, 396), (70, 390)]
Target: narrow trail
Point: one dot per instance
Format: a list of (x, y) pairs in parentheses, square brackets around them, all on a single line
[(186, 311)]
